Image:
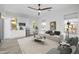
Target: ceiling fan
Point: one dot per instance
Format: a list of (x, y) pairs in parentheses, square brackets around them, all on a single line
[(40, 9)]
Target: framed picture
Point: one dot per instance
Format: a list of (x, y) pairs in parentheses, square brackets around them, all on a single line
[(53, 25), (22, 24), (14, 23)]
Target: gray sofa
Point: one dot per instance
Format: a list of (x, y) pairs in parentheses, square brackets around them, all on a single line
[(74, 44), (72, 48)]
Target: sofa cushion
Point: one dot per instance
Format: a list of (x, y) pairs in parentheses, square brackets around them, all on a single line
[(73, 41), (56, 32)]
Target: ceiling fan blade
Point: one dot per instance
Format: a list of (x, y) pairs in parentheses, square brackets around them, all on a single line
[(46, 8), (33, 8)]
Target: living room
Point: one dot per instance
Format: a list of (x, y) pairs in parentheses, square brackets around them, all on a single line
[(20, 21)]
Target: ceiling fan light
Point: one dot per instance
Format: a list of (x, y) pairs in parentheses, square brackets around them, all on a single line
[(39, 11)]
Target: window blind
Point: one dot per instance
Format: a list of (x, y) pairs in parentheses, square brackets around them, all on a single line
[(71, 15)]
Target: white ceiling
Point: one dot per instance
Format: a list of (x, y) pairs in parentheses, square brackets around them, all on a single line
[(22, 8)]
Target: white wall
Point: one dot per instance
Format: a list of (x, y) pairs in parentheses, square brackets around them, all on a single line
[(59, 18), (52, 16), (10, 34)]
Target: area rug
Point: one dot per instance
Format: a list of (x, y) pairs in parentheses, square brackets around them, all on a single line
[(29, 46)]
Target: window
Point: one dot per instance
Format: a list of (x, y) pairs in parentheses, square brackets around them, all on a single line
[(73, 23)]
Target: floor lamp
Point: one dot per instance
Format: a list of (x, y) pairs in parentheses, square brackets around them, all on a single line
[(68, 23)]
